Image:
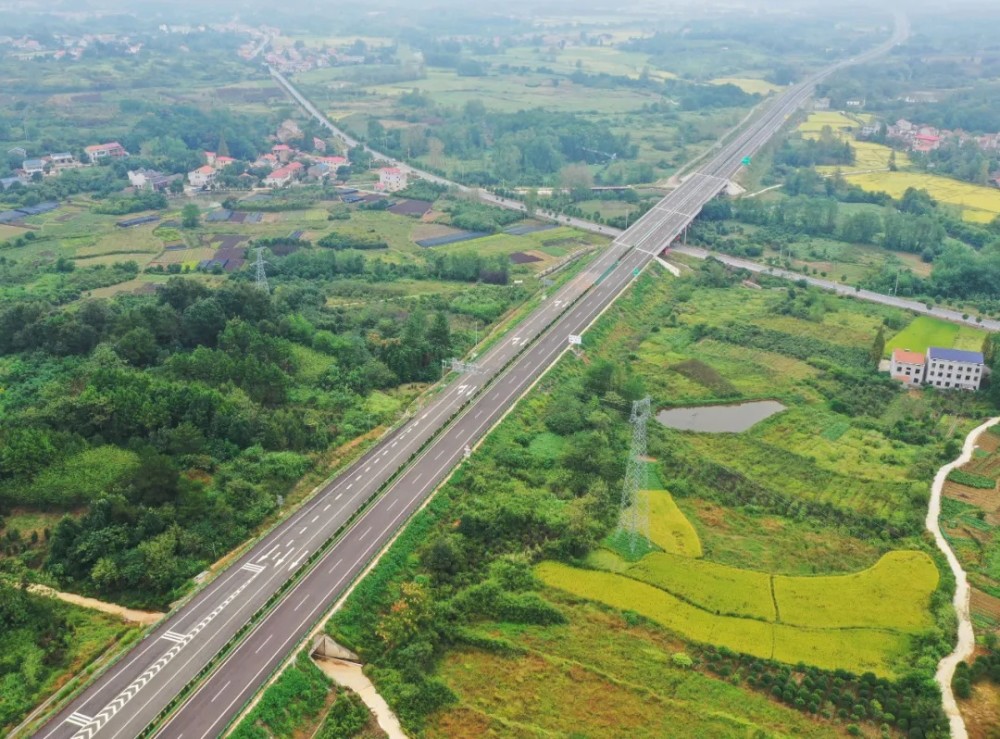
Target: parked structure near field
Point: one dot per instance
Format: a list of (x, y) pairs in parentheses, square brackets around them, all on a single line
[(948, 369)]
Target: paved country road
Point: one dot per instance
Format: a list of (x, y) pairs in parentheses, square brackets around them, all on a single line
[(128, 697), (945, 313)]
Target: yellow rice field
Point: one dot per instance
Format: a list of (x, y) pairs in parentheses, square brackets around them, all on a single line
[(856, 621), (977, 203)]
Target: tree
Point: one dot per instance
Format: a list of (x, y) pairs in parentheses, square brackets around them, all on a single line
[(190, 216), (439, 336), (878, 346), (991, 350)]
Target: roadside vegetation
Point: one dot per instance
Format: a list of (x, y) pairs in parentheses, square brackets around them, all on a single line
[(796, 543)]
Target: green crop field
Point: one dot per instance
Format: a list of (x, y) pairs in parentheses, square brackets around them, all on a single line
[(925, 331)]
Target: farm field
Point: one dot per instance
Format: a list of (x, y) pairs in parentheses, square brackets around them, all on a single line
[(977, 203), (697, 598), (820, 507), (971, 521), (748, 84), (926, 331)]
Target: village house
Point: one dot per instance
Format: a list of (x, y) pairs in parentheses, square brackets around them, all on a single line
[(283, 152), (201, 177), (284, 175), (114, 150), (33, 166), (149, 179), (954, 368), (63, 160), (391, 179), (907, 367), (948, 369), (318, 171)]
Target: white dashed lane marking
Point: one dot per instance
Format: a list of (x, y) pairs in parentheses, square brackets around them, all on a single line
[(98, 722), (221, 691)]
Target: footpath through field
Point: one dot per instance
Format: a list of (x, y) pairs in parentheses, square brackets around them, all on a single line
[(966, 638)]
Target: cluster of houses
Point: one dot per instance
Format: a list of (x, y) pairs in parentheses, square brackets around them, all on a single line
[(54, 164), (948, 369), (68, 46), (923, 138), (286, 164), (291, 59)]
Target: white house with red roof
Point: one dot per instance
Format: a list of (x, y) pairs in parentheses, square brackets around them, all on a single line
[(391, 179), (202, 177), (113, 150), (284, 175), (907, 367)]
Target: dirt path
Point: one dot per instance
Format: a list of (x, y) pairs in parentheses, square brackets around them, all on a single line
[(350, 676), (966, 638), (137, 617)]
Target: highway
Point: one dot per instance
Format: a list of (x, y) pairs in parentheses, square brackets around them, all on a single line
[(128, 697)]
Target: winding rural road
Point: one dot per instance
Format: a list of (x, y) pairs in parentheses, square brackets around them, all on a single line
[(288, 580), (966, 638)]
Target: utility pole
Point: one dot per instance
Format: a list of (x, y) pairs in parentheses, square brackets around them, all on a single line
[(633, 519), (261, 272)]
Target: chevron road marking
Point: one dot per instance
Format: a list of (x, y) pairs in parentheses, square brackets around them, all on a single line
[(92, 726)]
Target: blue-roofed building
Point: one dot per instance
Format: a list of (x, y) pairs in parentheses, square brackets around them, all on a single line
[(954, 369)]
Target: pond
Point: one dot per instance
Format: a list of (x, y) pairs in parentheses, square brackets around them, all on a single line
[(715, 419)]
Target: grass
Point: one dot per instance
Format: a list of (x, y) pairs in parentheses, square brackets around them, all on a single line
[(600, 676), (925, 331)]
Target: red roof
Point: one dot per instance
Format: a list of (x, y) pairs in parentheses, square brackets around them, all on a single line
[(281, 147), (927, 137), (99, 147), (205, 170), (907, 357)]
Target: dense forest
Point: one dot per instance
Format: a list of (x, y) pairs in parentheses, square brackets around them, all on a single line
[(175, 421)]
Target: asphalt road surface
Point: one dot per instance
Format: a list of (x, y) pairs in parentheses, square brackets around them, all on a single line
[(130, 695)]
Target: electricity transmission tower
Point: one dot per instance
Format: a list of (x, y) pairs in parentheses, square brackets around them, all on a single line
[(261, 272), (633, 520), (457, 365)]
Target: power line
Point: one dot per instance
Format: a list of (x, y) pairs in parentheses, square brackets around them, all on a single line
[(261, 272), (633, 519)]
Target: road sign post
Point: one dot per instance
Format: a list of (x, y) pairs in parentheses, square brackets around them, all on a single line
[(575, 340)]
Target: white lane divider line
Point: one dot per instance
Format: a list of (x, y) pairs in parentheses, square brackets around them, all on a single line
[(392, 505), (303, 529), (327, 506), (269, 553), (357, 478), (302, 602), (339, 496), (252, 568), (314, 518), (335, 566), (350, 486), (173, 636), (367, 531), (221, 691), (368, 468), (99, 721), (438, 455), (419, 475), (78, 719), (265, 642)]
